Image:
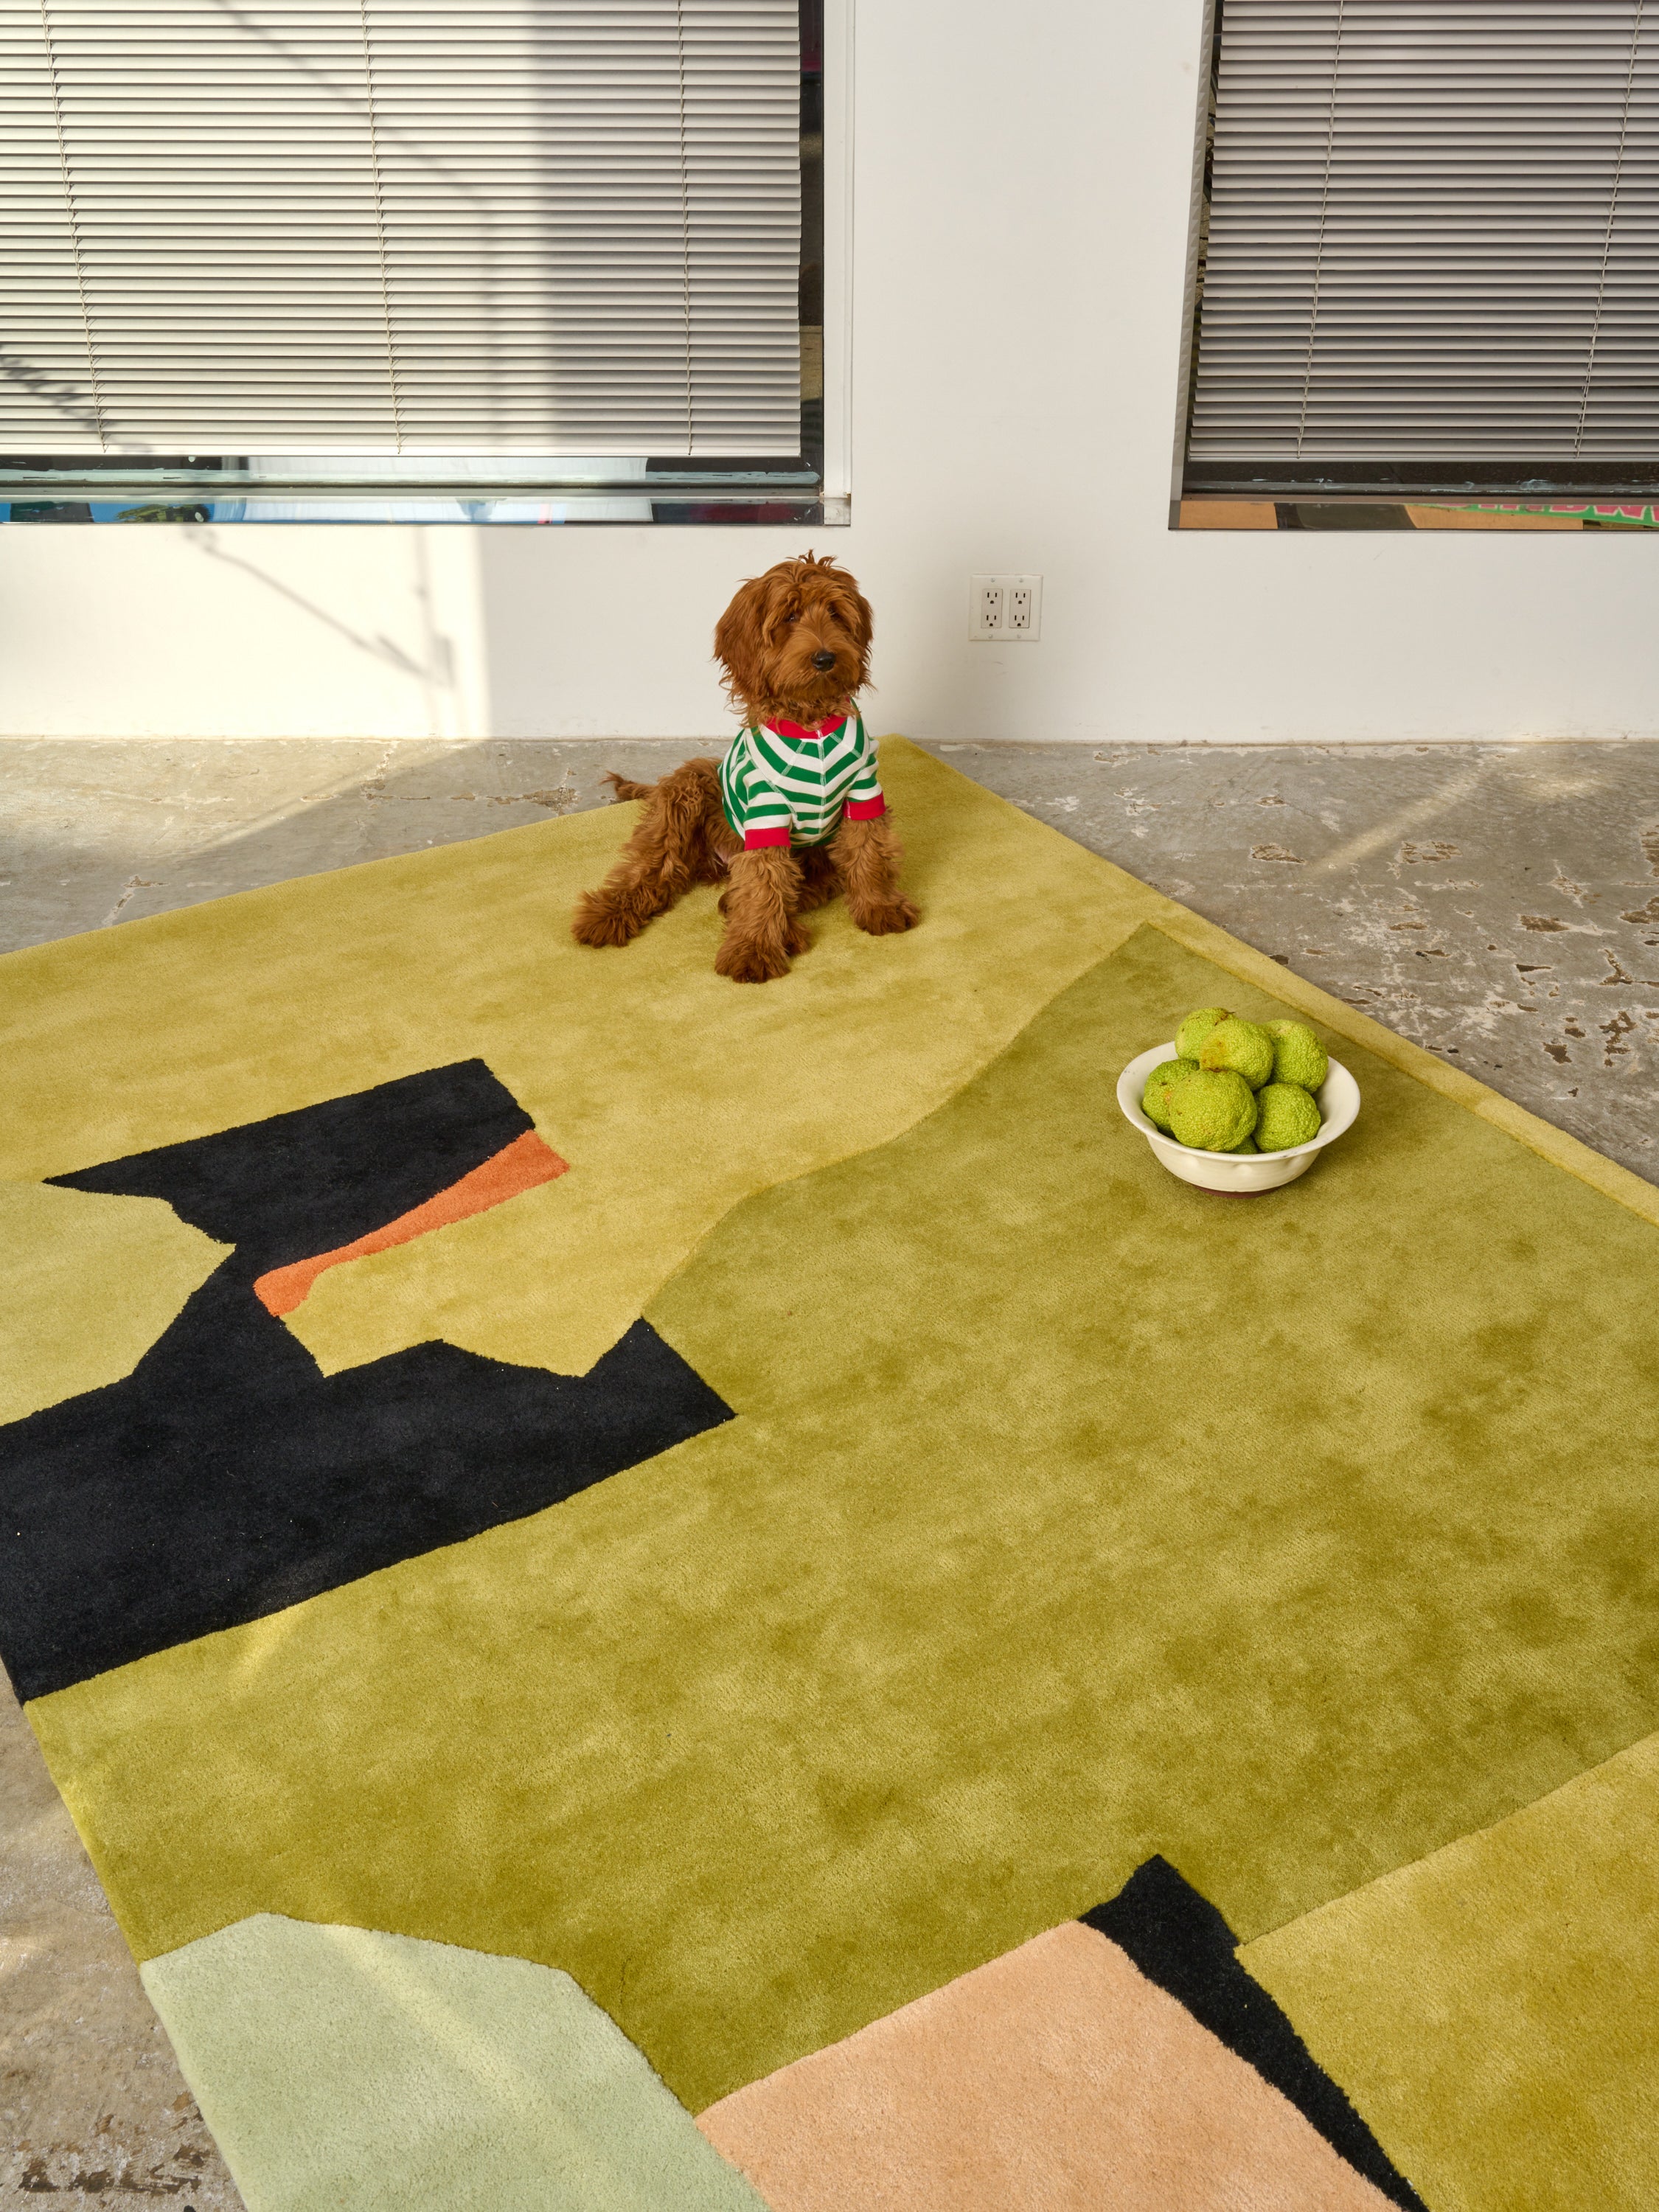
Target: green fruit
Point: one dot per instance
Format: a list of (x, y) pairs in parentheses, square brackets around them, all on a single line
[(1211, 1112), (1196, 1027), (1244, 1046), (1246, 1144), (1287, 1116), (1153, 1102), (1298, 1057)]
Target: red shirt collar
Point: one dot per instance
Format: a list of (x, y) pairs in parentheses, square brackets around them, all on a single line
[(795, 730)]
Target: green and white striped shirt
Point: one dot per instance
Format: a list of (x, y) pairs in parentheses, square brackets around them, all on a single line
[(783, 785)]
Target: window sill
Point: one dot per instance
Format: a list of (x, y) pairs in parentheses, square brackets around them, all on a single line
[(325, 488)]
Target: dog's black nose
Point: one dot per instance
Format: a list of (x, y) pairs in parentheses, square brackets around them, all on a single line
[(823, 660)]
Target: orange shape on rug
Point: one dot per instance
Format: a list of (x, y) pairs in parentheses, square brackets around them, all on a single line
[(1056, 2078), (520, 1166)]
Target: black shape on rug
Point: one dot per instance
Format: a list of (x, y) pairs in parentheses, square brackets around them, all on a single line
[(1178, 1940), (227, 1476), (310, 1181)]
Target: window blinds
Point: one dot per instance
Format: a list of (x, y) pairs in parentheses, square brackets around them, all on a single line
[(1434, 231), (400, 227)]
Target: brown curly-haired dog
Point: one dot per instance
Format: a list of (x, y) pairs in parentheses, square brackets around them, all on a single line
[(795, 647)]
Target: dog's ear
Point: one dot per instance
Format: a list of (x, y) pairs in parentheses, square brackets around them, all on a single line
[(856, 614), (852, 610), (739, 640)]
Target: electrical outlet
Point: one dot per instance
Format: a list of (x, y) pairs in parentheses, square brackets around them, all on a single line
[(987, 606), (1005, 609)]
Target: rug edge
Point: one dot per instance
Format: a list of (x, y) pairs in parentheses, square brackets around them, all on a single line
[(1621, 1184), (1189, 929)]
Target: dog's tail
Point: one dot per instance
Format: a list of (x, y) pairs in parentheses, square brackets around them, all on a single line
[(623, 786)]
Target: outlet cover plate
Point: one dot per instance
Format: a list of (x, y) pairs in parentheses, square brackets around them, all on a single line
[(1004, 610)]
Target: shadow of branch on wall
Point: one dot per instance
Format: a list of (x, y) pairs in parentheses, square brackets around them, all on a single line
[(379, 647)]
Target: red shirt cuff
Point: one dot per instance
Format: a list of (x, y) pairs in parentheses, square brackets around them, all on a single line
[(754, 841), (866, 810)]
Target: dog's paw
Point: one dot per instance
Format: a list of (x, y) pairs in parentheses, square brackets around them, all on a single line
[(887, 920), (796, 940), (595, 922), (748, 962)]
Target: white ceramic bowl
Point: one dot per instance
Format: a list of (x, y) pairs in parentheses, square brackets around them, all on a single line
[(1241, 1174)]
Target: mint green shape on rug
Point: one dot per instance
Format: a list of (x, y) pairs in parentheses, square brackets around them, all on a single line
[(344, 2069)]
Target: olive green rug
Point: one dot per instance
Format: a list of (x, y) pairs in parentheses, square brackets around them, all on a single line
[(737, 1607)]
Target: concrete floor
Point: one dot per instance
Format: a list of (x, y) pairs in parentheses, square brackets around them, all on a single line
[(91, 2098), (1497, 903)]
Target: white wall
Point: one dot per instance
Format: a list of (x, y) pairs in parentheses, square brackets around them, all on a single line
[(1022, 186)]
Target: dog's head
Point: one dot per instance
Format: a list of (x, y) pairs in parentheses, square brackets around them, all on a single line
[(795, 643)]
